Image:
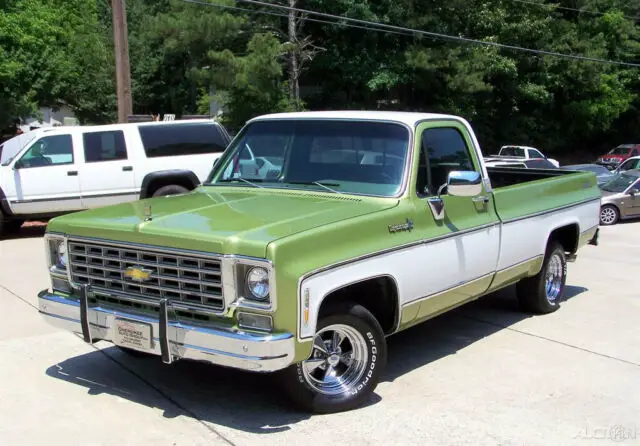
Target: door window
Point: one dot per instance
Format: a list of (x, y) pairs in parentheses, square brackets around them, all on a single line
[(443, 150), (629, 164), (104, 146), (48, 151), (536, 154)]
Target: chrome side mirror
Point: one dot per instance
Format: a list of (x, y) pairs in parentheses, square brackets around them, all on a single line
[(460, 183), (464, 183)]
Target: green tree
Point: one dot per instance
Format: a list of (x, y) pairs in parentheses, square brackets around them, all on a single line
[(252, 84)]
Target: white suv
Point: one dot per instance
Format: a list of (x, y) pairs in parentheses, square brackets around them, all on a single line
[(69, 169)]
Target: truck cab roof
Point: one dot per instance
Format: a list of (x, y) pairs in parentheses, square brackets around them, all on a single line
[(408, 118)]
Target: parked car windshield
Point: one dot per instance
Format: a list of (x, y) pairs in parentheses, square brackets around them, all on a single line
[(619, 183), (619, 151), (356, 157), (595, 168), (542, 163)]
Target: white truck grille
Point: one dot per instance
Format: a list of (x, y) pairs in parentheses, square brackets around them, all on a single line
[(182, 278)]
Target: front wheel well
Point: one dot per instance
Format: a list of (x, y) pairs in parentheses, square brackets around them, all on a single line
[(156, 180), (568, 236), (379, 295)]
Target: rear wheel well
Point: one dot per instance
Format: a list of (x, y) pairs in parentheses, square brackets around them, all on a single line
[(567, 236), (379, 295)]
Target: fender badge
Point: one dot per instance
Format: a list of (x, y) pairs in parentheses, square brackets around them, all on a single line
[(147, 212), (408, 226)]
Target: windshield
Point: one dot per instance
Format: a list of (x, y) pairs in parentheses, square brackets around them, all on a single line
[(540, 164), (13, 146), (598, 170), (619, 151), (338, 156), (620, 183)]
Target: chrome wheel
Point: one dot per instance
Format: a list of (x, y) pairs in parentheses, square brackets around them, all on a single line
[(338, 360), (608, 215), (554, 278)]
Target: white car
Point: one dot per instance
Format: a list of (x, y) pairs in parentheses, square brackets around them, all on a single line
[(519, 152), (66, 169)]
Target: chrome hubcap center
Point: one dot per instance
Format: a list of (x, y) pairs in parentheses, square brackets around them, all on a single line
[(338, 360), (333, 360)]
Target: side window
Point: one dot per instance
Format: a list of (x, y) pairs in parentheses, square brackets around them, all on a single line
[(49, 151), (535, 154), (625, 165), (181, 139), (104, 146), (443, 150)]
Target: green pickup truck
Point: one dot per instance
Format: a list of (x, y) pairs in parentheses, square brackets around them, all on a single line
[(316, 236)]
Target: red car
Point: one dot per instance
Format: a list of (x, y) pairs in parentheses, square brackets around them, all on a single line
[(614, 157)]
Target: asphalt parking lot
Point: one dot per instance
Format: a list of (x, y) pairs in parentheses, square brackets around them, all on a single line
[(483, 374)]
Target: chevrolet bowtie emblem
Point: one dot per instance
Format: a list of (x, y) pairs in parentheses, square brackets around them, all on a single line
[(147, 212), (138, 274)]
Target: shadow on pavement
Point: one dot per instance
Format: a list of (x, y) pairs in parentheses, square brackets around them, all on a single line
[(256, 403), (240, 400), (28, 230), (453, 331)]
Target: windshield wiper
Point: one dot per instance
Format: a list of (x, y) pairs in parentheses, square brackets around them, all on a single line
[(318, 183), (230, 180)]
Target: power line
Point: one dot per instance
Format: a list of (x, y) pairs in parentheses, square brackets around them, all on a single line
[(566, 8), (440, 35), (306, 19)]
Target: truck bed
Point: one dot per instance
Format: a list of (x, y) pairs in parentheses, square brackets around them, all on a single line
[(521, 192), (509, 176)]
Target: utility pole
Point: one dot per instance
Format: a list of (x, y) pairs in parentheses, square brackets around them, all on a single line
[(123, 70), (294, 71)]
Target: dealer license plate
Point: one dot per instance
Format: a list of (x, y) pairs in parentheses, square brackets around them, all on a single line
[(132, 334)]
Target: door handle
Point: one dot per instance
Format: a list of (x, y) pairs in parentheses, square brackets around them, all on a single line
[(72, 173), (127, 168), (480, 199)]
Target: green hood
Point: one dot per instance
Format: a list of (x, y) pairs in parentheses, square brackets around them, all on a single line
[(221, 220)]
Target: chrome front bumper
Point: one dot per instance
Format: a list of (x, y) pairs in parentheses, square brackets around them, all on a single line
[(171, 339)]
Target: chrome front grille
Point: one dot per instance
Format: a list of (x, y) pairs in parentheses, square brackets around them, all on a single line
[(182, 278)]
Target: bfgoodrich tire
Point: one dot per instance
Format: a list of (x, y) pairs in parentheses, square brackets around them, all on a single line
[(349, 353), (542, 293), (171, 189)]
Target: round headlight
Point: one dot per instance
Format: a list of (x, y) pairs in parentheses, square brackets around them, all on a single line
[(258, 283), (61, 255)]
